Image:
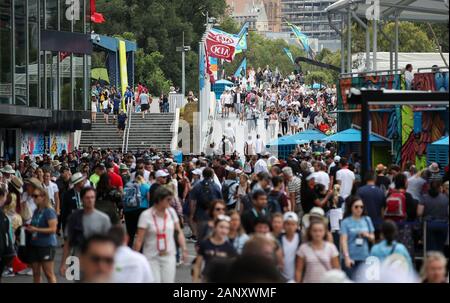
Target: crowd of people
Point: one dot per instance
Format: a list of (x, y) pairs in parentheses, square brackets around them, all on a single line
[(286, 104), (311, 218)]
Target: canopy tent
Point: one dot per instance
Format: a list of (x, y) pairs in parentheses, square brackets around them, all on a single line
[(225, 82), (353, 135), (287, 140), (442, 141), (409, 10), (309, 135)]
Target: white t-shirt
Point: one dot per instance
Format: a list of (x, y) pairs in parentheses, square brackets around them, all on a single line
[(290, 252), (105, 104), (347, 177), (259, 146), (229, 132), (52, 189), (147, 222), (261, 166), (322, 177), (131, 267)]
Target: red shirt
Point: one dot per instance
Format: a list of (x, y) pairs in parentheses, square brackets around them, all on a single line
[(115, 180), (116, 168)]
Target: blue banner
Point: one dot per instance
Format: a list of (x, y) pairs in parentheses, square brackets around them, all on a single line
[(242, 68), (302, 38), (289, 54)]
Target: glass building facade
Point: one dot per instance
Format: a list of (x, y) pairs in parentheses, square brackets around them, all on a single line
[(31, 76)]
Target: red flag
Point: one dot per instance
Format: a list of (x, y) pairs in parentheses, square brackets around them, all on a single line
[(221, 45), (208, 67), (96, 17)]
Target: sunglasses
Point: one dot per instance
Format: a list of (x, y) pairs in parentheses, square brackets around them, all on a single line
[(36, 196), (99, 259)]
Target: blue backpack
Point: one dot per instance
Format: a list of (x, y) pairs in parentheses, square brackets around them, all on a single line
[(132, 195)]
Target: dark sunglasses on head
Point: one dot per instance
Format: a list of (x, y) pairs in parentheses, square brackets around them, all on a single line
[(99, 259)]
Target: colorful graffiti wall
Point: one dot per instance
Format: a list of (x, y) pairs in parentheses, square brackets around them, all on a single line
[(36, 143), (410, 129)]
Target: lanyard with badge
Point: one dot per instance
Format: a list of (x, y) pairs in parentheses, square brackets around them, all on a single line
[(161, 237)]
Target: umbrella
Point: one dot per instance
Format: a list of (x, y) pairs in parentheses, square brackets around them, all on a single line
[(353, 135), (310, 135), (442, 141)]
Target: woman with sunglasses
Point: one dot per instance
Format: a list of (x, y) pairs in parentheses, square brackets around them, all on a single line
[(216, 246), (357, 231), (43, 237), (156, 234), (218, 207)]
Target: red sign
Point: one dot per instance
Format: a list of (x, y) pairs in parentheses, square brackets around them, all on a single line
[(221, 45)]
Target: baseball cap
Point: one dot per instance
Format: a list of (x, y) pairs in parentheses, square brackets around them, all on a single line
[(197, 172), (290, 216), (161, 173), (337, 159)]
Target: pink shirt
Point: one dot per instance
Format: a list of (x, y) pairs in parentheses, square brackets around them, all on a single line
[(317, 262)]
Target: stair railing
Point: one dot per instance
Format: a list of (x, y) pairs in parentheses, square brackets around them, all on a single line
[(126, 133)]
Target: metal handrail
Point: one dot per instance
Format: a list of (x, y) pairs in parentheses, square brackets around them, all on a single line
[(126, 133), (431, 68)]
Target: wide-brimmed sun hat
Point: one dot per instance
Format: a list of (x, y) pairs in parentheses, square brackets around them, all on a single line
[(7, 169)]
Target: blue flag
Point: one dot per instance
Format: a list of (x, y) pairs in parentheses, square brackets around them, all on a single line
[(242, 68), (289, 54), (242, 44), (302, 38)]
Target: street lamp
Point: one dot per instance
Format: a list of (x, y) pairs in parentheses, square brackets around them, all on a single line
[(183, 49)]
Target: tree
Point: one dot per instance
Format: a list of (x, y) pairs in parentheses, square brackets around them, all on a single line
[(412, 38), (320, 77)]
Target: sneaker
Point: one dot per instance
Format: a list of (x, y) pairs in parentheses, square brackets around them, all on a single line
[(26, 272), (8, 273)]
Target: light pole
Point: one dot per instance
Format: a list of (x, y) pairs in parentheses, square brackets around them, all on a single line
[(183, 49)]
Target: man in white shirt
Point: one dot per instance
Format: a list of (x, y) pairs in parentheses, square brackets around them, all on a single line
[(249, 147), (129, 265), (345, 178), (229, 133), (320, 176), (261, 165), (259, 145), (409, 76)]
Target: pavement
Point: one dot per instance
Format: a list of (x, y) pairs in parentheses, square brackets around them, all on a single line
[(241, 130), (183, 274)]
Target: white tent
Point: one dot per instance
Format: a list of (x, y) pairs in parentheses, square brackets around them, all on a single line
[(418, 60), (409, 10)]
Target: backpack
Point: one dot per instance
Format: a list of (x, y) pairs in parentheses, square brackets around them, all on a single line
[(226, 191), (273, 203), (395, 206), (206, 194), (132, 195)]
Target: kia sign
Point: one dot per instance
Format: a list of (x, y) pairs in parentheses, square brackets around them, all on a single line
[(221, 45), (220, 51)]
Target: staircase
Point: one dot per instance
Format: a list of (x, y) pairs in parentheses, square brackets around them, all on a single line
[(152, 132)]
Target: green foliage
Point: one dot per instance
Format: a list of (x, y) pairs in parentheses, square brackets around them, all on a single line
[(157, 27), (262, 52), (148, 71), (318, 76), (412, 38)]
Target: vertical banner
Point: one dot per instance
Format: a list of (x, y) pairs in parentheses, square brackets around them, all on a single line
[(59, 141), (33, 144), (123, 70), (242, 69), (214, 67), (289, 54)]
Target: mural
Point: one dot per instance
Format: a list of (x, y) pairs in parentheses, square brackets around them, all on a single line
[(410, 131), (34, 144)]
